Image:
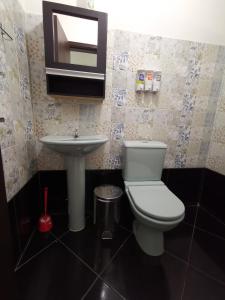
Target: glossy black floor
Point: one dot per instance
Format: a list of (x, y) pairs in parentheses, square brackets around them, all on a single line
[(69, 266)]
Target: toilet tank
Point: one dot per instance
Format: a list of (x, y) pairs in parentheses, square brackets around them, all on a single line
[(143, 160)]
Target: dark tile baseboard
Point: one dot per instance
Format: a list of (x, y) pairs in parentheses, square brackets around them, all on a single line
[(192, 186), (213, 193), (186, 184), (24, 209)]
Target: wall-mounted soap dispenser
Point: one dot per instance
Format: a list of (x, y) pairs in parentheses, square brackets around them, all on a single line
[(149, 77), (140, 81), (148, 81), (156, 81)]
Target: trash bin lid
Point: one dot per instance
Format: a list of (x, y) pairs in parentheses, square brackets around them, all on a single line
[(108, 192)]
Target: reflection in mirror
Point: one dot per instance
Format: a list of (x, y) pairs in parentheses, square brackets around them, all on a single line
[(75, 40)]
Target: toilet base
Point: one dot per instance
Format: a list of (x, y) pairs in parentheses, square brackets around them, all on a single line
[(150, 240)]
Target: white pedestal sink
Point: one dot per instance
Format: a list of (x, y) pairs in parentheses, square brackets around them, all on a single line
[(74, 150)]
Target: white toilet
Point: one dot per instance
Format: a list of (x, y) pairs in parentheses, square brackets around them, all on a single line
[(155, 207)]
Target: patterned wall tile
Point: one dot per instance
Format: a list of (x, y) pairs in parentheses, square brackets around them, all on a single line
[(120, 61), (11, 171), (181, 114), (117, 131), (16, 134), (119, 96), (214, 100)]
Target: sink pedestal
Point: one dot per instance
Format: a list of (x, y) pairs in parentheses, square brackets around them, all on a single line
[(75, 166), (74, 150)]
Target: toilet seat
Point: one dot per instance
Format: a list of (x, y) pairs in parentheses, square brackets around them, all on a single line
[(156, 201)]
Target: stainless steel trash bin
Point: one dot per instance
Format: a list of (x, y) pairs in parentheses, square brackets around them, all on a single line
[(106, 209)]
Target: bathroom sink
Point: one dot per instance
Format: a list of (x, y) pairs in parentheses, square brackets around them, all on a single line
[(70, 145), (74, 150)]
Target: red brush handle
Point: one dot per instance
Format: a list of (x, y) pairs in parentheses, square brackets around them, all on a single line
[(45, 199)]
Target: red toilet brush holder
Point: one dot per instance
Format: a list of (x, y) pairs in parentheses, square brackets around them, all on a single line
[(45, 222)]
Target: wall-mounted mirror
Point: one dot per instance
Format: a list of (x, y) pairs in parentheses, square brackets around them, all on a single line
[(75, 46), (75, 40)]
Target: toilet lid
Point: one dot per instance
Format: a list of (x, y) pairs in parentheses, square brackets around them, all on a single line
[(157, 202)]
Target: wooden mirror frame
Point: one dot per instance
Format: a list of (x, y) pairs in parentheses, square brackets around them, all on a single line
[(48, 9)]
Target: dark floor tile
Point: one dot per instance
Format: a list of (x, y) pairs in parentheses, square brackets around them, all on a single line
[(209, 223), (37, 242), (190, 214), (200, 287), (60, 224), (102, 291), (138, 276), (208, 254), (177, 240), (55, 274), (94, 251)]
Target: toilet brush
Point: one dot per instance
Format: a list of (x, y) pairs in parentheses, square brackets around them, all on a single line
[(45, 221)]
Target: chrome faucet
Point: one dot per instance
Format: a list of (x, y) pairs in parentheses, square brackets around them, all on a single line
[(76, 135)]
